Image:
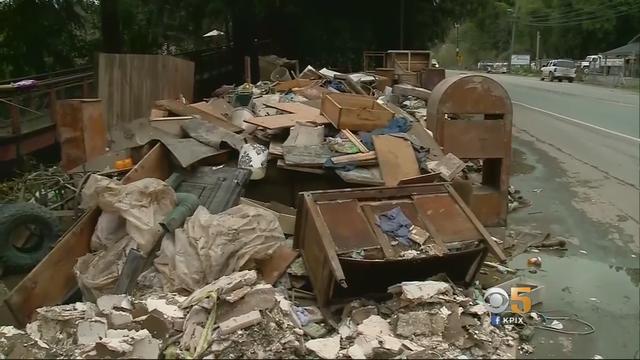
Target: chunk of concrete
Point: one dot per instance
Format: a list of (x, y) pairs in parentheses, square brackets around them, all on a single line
[(90, 331), (161, 305), (361, 314), (157, 324), (355, 352), (366, 344), (108, 302), (374, 326), (119, 319), (240, 322), (236, 294), (326, 348), (223, 285), (421, 291), (130, 344), (391, 343), (347, 329), (420, 322)]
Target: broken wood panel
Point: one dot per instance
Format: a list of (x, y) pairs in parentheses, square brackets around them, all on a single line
[(128, 84), (312, 170), (277, 264), (285, 121), (219, 108), (447, 218), (295, 108), (355, 140), (420, 179), (52, 281), (82, 131), (396, 158), (380, 192), (493, 247), (475, 139), (371, 155), (347, 225), (179, 108)]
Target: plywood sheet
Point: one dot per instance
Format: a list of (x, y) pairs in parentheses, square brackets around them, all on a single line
[(396, 159), (347, 225), (286, 120), (447, 217)]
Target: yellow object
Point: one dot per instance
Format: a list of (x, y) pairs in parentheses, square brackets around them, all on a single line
[(124, 164)]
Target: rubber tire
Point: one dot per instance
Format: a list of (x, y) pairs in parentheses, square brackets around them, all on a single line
[(570, 80), (542, 78), (551, 76), (14, 215), (560, 79)]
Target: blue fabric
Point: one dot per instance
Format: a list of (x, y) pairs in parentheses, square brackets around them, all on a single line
[(395, 223), (344, 167), (398, 124), (338, 86)]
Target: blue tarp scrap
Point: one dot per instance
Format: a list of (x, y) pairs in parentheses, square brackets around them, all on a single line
[(396, 224), (398, 124)]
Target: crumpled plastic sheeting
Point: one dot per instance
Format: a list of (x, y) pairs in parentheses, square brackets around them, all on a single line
[(143, 204), (130, 219), (398, 124), (211, 246)]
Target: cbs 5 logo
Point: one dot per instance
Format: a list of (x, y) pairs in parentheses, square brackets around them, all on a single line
[(497, 300)]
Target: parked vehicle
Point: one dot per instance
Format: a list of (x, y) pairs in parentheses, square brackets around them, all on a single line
[(498, 68), (434, 63), (559, 70), (591, 63)]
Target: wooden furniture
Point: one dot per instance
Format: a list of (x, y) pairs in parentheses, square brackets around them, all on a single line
[(332, 225), (355, 112), (471, 117), (81, 130)]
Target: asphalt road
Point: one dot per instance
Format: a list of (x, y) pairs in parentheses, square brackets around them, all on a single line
[(576, 157)]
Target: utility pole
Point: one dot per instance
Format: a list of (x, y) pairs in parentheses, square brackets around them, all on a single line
[(513, 34), (457, 44), (538, 50), (401, 24)]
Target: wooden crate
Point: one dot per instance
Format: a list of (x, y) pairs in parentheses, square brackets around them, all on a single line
[(355, 112)]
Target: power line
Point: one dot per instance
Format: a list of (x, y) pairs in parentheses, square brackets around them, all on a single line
[(583, 19), (561, 13)]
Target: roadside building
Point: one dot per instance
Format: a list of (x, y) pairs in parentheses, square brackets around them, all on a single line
[(623, 60)]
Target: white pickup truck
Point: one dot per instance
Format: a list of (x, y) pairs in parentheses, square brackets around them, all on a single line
[(559, 70)]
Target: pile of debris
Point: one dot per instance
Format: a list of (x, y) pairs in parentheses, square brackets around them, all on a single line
[(237, 317), (186, 268)]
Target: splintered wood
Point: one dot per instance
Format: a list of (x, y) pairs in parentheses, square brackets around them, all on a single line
[(396, 158)]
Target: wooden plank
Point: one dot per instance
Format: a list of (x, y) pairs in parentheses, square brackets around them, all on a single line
[(219, 108), (378, 192), (326, 239), (493, 247), (420, 179), (371, 155), (179, 108), (295, 108), (381, 237), (168, 118), (354, 139), (285, 121), (447, 217), (347, 225), (275, 266), (396, 158), (281, 164)]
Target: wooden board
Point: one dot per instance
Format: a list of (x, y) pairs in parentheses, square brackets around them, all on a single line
[(179, 108), (347, 225), (371, 155), (420, 179), (128, 84), (295, 108), (447, 218), (275, 266), (355, 140), (396, 158), (82, 131), (52, 281), (285, 121)]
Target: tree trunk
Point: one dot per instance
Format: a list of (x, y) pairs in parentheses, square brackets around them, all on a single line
[(110, 26)]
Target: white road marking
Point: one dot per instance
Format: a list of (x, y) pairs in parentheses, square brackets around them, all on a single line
[(579, 122)]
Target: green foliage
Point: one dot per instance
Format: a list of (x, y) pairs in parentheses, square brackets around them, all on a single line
[(487, 34), (44, 35)]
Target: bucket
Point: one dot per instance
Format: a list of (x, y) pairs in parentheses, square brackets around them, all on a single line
[(238, 117), (280, 74), (254, 157)]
